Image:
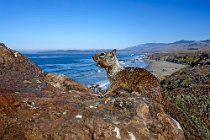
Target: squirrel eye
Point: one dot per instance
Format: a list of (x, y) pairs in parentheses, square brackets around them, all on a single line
[(102, 54)]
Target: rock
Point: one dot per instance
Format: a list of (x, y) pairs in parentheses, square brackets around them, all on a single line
[(16, 72), (36, 106), (6, 100), (69, 116), (65, 83)]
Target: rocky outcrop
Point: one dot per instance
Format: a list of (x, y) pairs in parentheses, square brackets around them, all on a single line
[(81, 116), (18, 74), (35, 105)]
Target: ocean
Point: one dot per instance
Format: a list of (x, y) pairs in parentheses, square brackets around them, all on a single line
[(80, 66)]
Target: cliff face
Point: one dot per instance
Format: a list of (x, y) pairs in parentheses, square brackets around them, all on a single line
[(35, 105)]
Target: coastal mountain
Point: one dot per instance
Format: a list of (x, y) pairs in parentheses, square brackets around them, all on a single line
[(181, 45), (178, 45)]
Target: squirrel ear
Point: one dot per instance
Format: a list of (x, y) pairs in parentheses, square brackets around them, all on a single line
[(114, 51)]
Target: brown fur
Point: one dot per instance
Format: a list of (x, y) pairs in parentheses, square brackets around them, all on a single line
[(129, 79)]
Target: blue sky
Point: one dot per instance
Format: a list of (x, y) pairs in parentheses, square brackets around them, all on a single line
[(91, 24)]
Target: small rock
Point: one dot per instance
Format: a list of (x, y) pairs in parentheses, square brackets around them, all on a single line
[(79, 116), (65, 112), (16, 54), (39, 82), (27, 82), (92, 106), (117, 130), (132, 136)]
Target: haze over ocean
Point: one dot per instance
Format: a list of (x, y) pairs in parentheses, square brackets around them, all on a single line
[(102, 24)]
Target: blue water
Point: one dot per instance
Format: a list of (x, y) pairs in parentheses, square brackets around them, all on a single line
[(80, 66)]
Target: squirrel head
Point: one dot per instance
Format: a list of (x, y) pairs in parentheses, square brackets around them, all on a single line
[(105, 59)]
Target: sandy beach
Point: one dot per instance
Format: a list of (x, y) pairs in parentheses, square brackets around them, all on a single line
[(161, 69)]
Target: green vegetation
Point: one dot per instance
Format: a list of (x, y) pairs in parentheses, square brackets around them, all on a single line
[(189, 91)]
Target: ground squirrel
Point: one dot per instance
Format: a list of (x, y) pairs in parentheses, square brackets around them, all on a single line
[(128, 78)]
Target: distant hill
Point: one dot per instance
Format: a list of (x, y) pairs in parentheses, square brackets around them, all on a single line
[(175, 46), (183, 41)]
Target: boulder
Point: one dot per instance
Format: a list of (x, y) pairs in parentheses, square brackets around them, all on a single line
[(64, 83), (82, 116), (18, 74)]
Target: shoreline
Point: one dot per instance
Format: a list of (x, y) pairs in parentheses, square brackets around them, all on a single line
[(161, 69)]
